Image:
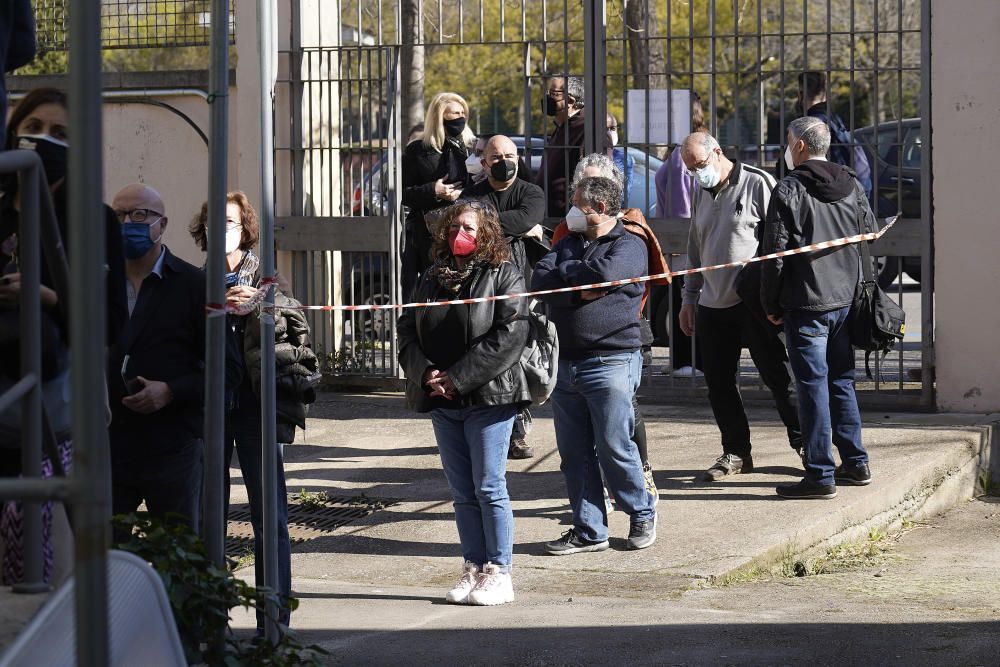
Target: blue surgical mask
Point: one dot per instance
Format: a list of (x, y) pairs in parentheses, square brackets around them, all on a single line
[(137, 239), (707, 176)]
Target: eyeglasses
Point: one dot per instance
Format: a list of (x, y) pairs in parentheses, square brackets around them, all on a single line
[(137, 214), (701, 165)]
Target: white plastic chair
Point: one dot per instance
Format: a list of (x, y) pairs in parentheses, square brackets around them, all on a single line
[(141, 624)]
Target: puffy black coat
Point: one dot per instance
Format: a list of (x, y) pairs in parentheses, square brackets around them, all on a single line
[(296, 365), (817, 201), (489, 373)]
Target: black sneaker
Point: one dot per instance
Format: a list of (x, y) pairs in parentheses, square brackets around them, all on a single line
[(806, 489), (571, 543), (858, 475), (519, 449), (642, 534), (728, 464)]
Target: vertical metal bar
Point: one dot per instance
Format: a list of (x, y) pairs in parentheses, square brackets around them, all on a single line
[(269, 462), (594, 71), (214, 526), (91, 468), (711, 80), (927, 360), (29, 252), (899, 125), (296, 88)]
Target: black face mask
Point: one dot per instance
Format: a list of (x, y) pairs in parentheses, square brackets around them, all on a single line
[(504, 170), (454, 127), (51, 151), (550, 106)]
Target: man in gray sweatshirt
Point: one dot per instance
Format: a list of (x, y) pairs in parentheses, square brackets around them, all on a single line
[(728, 207)]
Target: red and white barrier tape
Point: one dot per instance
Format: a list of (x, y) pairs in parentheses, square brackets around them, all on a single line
[(257, 299)]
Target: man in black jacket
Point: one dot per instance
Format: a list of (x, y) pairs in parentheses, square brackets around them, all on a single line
[(811, 294), (521, 208), (156, 369), (564, 100)]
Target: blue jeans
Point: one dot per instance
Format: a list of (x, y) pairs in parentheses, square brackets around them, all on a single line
[(473, 443), (243, 432), (594, 420), (822, 360)]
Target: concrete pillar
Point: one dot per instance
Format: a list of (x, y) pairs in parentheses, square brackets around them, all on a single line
[(965, 89)]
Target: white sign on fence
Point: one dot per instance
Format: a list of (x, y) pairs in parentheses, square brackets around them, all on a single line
[(658, 127)]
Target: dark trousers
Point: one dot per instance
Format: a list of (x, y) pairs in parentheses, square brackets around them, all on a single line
[(243, 434), (722, 333), (169, 482), (680, 343)]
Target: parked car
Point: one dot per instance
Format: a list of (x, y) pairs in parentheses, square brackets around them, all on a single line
[(894, 150)]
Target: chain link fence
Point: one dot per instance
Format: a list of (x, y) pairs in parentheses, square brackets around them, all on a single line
[(134, 24)]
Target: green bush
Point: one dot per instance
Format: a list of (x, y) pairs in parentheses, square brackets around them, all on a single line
[(202, 595)]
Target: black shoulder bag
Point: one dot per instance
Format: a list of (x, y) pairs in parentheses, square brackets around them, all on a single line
[(875, 322)]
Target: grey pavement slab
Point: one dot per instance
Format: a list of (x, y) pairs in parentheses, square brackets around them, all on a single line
[(372, 445)]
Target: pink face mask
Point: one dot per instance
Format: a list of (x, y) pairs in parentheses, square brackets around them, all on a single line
[(462, 243)]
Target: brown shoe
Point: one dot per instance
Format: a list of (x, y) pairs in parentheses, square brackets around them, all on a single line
[(728, 464), (519, 449)]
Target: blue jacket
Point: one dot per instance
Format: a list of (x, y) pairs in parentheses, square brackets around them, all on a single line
[(606, 325)]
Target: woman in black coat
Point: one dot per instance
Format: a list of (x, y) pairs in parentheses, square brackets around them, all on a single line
[(434, 174), (462, 366)]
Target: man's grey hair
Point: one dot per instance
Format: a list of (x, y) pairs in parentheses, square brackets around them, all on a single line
[(607, 167), (575, 89), (814, 132), (608, 191)]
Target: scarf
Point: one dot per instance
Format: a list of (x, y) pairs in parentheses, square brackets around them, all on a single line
[(450, 276), (246, 270)]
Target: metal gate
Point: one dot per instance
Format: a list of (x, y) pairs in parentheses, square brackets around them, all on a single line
[(642, 60), (336, 188)]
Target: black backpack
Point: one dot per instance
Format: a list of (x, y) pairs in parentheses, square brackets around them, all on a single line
[(876, 322), (843, 147)]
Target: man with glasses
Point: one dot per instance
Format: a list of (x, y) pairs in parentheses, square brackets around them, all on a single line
[(521, 208), (156, 369), (728, 207)]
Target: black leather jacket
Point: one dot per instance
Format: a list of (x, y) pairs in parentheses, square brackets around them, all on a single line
[(817, 201), (489, 373)]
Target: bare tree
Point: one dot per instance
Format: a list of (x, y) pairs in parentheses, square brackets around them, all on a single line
[(645, 52), (411, 61)]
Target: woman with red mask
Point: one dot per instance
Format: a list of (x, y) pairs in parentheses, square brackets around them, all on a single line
[(462, 366)]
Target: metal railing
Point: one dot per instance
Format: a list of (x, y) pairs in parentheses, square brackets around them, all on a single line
[(87, 490), (134, 24), (28, 389)]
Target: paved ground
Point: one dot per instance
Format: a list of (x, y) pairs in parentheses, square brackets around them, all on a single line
[(372, 591)]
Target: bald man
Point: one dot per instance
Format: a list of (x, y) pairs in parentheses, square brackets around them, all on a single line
[(521, 204), (155, 372), (521, 207)]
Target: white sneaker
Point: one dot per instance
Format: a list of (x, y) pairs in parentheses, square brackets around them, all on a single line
[(687, 371), (460, 593), (494, 587)]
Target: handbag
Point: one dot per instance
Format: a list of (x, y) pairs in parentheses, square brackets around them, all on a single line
[(875, 322), (540, 357)]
